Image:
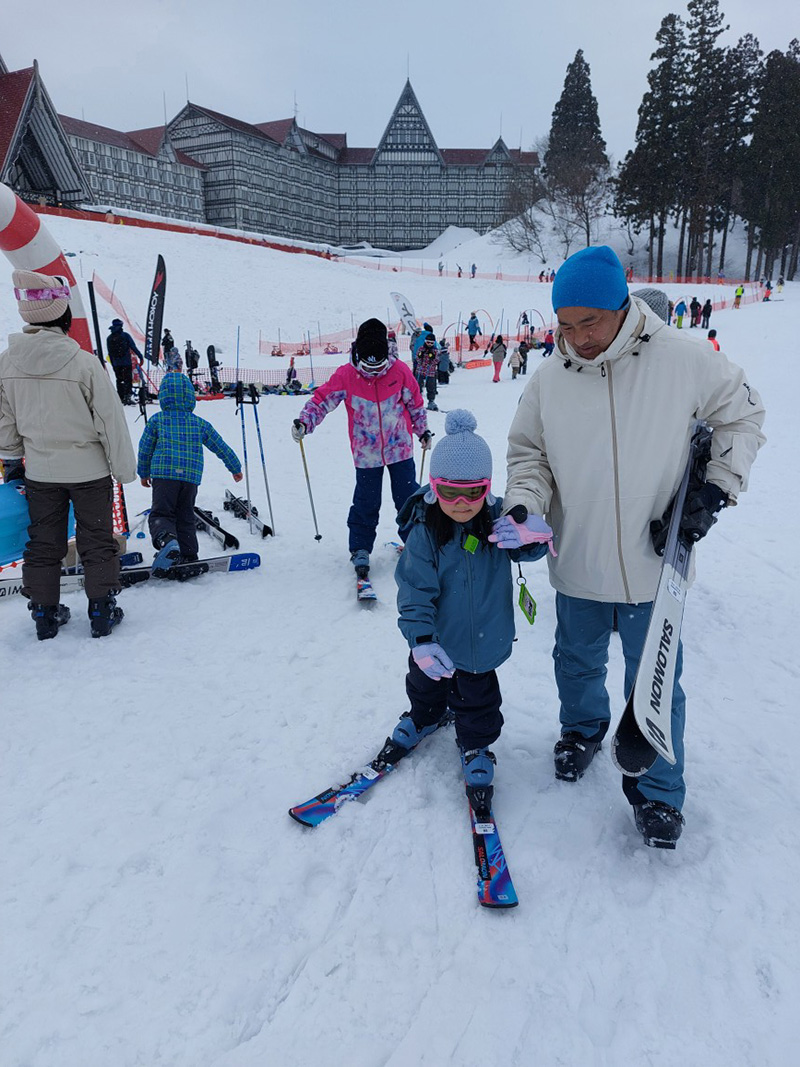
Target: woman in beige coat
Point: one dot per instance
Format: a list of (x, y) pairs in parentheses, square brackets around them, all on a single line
[(59, 411)]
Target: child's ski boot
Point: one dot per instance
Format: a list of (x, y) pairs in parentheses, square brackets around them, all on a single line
[(406, 736), (478, 765), (167, 555)]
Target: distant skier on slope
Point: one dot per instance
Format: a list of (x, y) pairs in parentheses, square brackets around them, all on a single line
[(384, 407)]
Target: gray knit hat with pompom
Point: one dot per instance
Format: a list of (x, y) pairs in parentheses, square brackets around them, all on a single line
[(461, 455)]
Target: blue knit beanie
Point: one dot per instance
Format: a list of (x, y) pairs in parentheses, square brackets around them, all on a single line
[(461, 455), (592, 278)]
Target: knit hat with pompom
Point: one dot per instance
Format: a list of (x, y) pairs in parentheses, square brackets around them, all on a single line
[(461, 455)]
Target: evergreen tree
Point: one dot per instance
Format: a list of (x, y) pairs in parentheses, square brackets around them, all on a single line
[(744, 72), (649, 178), (703, 129), (771, 169), (576, 164)]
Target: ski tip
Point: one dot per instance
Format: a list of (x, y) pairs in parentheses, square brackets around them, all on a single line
[(245, 561), (303, 822), (498, 905)]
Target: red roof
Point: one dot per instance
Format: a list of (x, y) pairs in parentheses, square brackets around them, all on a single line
[(147, 141), (469, 157), (150, 139), (13, 93), (276, 130), (356, 156), (338, 140), (465, 156), (104, 134)]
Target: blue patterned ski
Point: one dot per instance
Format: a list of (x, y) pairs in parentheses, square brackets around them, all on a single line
[(495, 888), (321, 807)]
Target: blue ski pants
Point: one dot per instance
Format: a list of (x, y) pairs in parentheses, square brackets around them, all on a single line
[(583, 631), (365, 510)]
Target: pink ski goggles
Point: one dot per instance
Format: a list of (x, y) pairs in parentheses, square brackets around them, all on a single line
[(469, 492), (58, 293)]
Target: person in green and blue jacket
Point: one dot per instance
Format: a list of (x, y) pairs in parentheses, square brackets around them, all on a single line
[(171, 460)]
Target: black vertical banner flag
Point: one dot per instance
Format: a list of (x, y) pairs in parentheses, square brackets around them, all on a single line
[(155, 312)]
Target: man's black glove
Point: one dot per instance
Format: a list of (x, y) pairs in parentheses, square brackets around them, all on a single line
[(518, 513), (699, 514), (700, 511)]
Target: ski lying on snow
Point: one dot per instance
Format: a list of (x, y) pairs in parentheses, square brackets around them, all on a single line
[(243, 509), (495, 888), (71, 583), (327, 803), (365, 594), (204, 520), (71, 577), (127, 559), (180, 572)]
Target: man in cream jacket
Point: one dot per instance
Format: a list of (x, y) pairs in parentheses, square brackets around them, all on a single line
[(59, 411), (598, 446)]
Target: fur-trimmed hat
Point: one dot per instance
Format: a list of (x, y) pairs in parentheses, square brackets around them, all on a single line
[(40, 298)]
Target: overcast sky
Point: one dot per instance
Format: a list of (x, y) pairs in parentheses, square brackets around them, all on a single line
[(478, 68)]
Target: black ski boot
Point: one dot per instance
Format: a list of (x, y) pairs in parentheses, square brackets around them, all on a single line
[(104, 615), (573, 754), (48, 619), (659, 824)]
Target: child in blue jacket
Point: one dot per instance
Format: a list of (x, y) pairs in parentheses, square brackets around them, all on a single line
[(455, 598), (171, 459)]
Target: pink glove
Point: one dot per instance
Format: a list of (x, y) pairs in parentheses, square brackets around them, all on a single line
[(506, 533), (433, 661)]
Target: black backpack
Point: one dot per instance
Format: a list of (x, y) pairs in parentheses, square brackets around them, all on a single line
[(117, 347)]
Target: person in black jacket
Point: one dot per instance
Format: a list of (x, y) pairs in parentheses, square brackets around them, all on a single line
[(121, 352)]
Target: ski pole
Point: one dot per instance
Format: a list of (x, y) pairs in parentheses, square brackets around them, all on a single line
[(240, 406), (318, 536), (422, 467), (254, 398)]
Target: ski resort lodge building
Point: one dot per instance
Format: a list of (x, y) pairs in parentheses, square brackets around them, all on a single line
[(271, 178)]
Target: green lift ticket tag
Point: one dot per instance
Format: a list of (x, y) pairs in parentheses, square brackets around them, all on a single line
[(527, 603), (471, 543)]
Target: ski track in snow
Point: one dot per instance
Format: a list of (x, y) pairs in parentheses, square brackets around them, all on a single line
[(161, 908)]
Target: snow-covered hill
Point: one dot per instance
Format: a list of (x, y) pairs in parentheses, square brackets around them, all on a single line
[(160, 907)]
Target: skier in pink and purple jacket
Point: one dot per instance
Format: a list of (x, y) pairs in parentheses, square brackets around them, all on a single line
[(384, 408)]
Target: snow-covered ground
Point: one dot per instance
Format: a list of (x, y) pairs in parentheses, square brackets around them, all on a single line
[(160, 907)]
